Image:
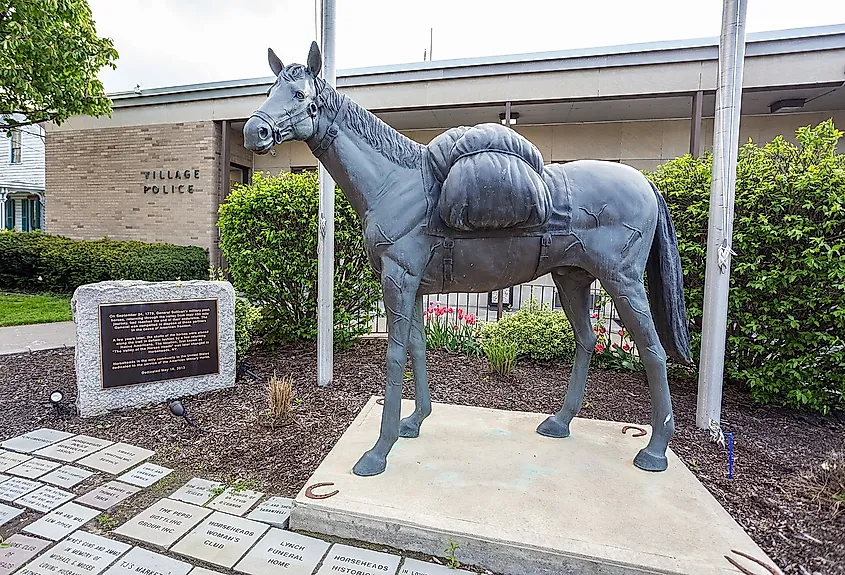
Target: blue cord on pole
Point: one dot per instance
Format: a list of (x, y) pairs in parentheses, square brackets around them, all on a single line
[(730, 437)]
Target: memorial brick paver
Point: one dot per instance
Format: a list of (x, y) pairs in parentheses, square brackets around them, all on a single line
[(343, 559), (116, 459), (235, 501), (73, 448), (16, 487), (145, 475), (45, 499), (62, 521), (33, 468), (142, 562), (21, 549), (9, 459), (66, 476), (108, 495), (35, 440), (415, 567), (163, 522), (79, 553), (283, 552), (196, 491), (221, 539), (7, 513), (274, 511)]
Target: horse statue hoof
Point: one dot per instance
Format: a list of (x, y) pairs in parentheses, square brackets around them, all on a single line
[(370, 464), (553, 428), (650, 462), (408, 428)]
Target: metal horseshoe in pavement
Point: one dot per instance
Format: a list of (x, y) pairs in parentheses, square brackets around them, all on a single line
[(640, 431), (309, 492)]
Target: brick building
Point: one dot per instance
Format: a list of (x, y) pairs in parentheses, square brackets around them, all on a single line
[(160, 166)]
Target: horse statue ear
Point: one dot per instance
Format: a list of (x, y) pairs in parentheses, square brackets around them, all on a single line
[(275, 64), (315, 60)]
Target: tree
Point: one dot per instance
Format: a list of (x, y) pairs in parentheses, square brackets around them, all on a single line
[(50, 55)]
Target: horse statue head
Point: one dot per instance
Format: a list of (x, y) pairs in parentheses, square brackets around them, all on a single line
[(292, 105)]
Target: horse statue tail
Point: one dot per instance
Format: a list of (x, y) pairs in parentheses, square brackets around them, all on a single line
[(666, 285)]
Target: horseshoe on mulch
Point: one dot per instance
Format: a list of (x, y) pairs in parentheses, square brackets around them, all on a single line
[(640, 430), (762, 564), (309, 493)]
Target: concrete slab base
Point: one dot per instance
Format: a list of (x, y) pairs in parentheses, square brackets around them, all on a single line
[(519, 503)]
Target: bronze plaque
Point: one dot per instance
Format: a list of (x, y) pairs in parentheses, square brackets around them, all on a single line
[(156, 341)]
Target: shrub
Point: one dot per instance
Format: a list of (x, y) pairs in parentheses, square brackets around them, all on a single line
[(246, 322), (34, 261), (246, 317), (451, 329), (786, 310), (501, 355), (537, 331), (269, 238)]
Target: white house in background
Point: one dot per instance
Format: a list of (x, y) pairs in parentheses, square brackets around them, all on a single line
[(22, 179)]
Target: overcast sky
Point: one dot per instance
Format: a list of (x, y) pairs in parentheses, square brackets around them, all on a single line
[(174, 42)]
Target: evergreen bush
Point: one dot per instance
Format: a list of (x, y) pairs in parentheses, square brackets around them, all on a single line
[(39, 262), (269, 238), (536, 330), (786, 310)]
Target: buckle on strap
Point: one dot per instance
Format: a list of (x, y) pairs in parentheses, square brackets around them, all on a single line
[(545, 244), (449, 245)]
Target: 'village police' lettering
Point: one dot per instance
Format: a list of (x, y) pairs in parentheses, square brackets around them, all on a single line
[(172, 188)]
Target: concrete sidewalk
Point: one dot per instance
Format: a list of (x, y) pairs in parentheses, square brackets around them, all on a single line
[(28, 338)]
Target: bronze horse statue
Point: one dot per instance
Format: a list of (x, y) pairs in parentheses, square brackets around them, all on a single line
[(579, 221)]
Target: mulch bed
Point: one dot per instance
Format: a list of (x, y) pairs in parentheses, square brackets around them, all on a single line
[(774, 448)]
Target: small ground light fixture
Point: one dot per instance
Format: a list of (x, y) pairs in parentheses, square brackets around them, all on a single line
[(178, 409), (56, 398)]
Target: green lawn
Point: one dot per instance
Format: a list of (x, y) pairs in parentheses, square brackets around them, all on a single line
[(21, 309)]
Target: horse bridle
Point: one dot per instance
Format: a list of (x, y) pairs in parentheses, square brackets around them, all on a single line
[(288, 121), (322, 138)]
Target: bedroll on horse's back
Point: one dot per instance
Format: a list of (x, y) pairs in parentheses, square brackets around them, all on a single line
[(492, 179)]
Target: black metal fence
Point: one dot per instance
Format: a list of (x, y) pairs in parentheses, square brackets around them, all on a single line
[(485, 308)]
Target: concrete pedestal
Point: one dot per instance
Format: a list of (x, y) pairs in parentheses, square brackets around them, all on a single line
[(519, 503)]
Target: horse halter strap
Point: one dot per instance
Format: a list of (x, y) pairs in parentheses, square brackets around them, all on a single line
[(322, 139), (288, 121)]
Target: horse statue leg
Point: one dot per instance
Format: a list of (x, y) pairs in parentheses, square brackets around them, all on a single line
[(573, 284), (399, 291), (410, 426), (631, 301)]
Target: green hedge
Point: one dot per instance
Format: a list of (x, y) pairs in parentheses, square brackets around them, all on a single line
[(537, 331), (33, 261), (786, 317), (269, 238)]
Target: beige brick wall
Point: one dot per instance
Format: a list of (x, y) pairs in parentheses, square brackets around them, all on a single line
[(641, 144), (96, 183)]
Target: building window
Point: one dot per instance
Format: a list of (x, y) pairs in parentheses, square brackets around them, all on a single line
[(10, 214), (300, 169), (15, 156)]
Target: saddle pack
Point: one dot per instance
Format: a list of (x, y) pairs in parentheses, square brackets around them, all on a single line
[(491, 179)]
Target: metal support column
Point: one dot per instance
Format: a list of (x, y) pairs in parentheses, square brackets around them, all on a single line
[(325, 234), (695, 125), (719, 236), (216, 258)]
